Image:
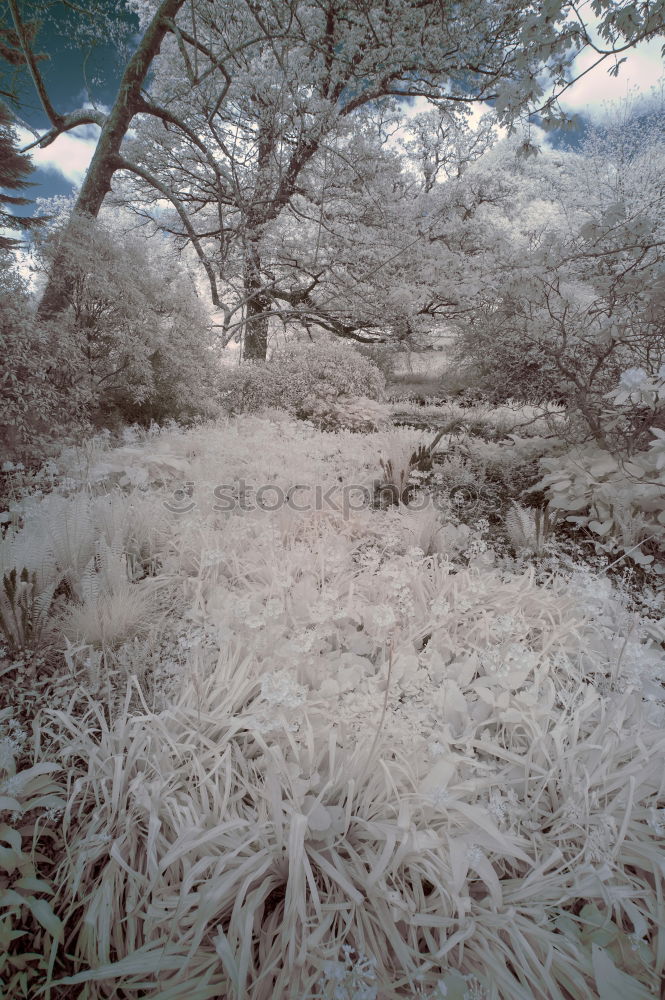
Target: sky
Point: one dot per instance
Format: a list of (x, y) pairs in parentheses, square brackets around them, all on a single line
[(74, 77), (62, 165)]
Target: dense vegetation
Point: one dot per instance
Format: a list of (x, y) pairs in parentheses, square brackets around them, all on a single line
[(323, 678)]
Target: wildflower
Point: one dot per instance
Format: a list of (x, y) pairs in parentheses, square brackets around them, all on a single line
[(304, 640), (8, 751), (350, 979), (13, 786), (600, 839), (476, 548), (440, 607), (319, 611), (505, 625), (497, 806), (384, 617), (503, 660), (274, 607), (212, 559), (440, 797)]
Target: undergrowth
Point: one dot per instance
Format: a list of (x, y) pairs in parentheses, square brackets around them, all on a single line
[(322, 751)]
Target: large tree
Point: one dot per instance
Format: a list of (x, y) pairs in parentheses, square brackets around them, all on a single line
[(568, 292), (232, 159), (250, 91), (114, 125), (353, 206)]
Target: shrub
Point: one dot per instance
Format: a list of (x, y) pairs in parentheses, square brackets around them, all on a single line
[(561, 314), (330, 365), (619, 502), (185, 383), (42, 393), (383, 356), (302, 378), (351, 413), (637, 406), (136, 337), (495, 360)]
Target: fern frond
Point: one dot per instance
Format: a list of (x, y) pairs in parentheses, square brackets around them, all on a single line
[(70, 534), (520, 526), (88, 589)]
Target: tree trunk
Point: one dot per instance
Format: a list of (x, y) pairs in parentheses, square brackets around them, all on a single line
[(257, 307), (257, 299), (97, 181)]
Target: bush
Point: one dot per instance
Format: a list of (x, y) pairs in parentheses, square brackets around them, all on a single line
[(620, 503), (304, 379), (383, 356), (43, 395), (495, 359), (132, 345), (561, 314), (350, 413), (185, 383)]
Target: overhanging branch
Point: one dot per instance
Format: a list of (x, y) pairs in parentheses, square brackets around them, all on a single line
[(123, 164), (33, 69), (74, 119)]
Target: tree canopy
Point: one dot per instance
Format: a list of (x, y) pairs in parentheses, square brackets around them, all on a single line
[(242, 112)]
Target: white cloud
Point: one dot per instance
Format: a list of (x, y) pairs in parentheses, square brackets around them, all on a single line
[(69, 155), (642, 71)]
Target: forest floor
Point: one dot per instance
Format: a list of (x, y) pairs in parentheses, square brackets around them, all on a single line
[(303, 744)]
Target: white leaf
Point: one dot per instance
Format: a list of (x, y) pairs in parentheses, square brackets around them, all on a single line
[(612, 984), (601, 527), (318, 817)]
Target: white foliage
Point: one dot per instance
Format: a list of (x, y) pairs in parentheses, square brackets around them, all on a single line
[(380, 732)]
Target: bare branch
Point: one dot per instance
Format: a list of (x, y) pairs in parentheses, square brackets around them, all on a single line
[(31, 63), (69, 122), (148, 108), (123, 164)]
